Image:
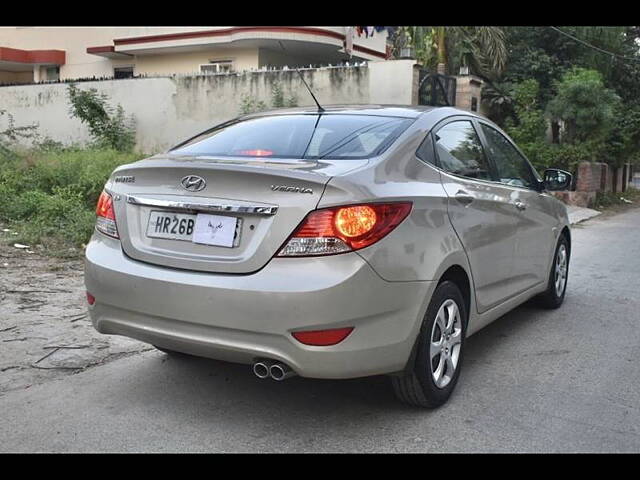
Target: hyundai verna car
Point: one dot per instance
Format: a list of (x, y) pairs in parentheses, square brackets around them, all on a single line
[(336, 243)]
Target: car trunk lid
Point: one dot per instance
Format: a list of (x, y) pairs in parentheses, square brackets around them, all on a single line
[(269, 198)]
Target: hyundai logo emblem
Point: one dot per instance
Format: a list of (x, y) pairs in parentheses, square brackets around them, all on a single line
[(193, 183)]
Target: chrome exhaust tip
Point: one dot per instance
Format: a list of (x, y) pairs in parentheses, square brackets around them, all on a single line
[(280, 371), (261, 369)]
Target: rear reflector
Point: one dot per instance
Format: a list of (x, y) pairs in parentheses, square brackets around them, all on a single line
[(323, 338), (91, 299), (106, 216)]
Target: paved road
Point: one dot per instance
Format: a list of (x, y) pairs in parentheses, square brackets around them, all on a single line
[(534, 381)]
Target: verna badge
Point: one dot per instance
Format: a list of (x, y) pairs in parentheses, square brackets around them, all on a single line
[(287, 188), (193, 183)]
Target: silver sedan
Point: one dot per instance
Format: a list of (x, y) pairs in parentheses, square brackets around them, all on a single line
[(340, 243)]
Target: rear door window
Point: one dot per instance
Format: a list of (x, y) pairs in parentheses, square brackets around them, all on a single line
[(460, 152), (425, 151), (330, 136)]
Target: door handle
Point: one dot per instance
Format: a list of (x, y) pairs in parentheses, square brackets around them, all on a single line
[(520, 205), (464, 198)]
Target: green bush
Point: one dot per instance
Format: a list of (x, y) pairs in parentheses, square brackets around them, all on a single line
[(50, 197), (547, 155), (249, 104), (277, 97), (109, 126), (609, 199)]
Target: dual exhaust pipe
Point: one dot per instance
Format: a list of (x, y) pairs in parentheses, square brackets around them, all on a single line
[(270, 369)]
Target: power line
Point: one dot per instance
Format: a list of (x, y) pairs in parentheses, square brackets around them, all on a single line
[(601, 50)]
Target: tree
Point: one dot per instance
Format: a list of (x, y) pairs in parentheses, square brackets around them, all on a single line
[(423, 42), (584, 105), (482, 49), (531, 124)]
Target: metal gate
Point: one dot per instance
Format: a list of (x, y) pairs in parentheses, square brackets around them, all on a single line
[(436, 89)]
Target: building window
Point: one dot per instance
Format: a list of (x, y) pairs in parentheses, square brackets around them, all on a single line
[(52, 74), (217, 66), (123, 72)]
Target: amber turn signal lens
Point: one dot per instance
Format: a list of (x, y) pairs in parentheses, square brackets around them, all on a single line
[(355, 221)]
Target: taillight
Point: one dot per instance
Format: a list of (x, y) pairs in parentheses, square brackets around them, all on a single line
[(323, 338), (106, 221), (344, 229)]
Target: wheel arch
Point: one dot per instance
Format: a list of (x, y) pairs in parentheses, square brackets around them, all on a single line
[(457, 274)]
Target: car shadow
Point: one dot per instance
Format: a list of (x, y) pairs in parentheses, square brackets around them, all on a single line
[(205, 381)]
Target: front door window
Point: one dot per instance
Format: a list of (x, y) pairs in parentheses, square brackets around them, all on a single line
[(511, 167)]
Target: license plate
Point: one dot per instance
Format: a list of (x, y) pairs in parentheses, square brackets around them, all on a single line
[(218, 230)]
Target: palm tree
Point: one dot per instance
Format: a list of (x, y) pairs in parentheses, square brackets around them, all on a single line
[(482, 49)]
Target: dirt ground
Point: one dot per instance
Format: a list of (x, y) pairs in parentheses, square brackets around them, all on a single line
[(45, 331)]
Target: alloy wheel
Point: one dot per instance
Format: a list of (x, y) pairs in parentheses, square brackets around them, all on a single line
[(561, 270), (445, 343)]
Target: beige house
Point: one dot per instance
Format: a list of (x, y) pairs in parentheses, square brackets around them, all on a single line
[(41, 54)]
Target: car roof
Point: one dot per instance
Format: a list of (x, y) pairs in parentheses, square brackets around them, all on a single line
[(404, 111)]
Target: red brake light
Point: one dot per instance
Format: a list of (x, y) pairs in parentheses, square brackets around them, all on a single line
[(256, 153), (105, 206), (343, 229), (106, 221), (323, 338)]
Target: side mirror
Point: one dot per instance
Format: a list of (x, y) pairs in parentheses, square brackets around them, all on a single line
[(555, 179)]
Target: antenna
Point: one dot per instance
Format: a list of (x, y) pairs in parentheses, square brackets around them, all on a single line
[(320, 109)]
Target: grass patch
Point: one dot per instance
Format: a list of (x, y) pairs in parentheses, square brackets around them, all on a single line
[(49, 197), (605, 200)]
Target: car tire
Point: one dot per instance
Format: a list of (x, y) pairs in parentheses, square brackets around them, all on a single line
[(421, 385), (556, 287)]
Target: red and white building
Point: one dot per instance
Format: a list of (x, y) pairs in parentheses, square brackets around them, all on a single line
[(40, 54)]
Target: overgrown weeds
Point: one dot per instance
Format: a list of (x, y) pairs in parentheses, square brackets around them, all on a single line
[(606, 200), (49, 196)]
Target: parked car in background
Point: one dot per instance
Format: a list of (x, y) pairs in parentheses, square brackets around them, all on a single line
[(348, 242)]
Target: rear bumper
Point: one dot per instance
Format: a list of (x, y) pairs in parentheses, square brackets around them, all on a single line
[(239, 318)]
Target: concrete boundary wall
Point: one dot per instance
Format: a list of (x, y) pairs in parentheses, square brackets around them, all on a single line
[(168, 110)]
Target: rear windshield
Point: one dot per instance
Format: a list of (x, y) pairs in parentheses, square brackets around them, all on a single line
[(330, 136)]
